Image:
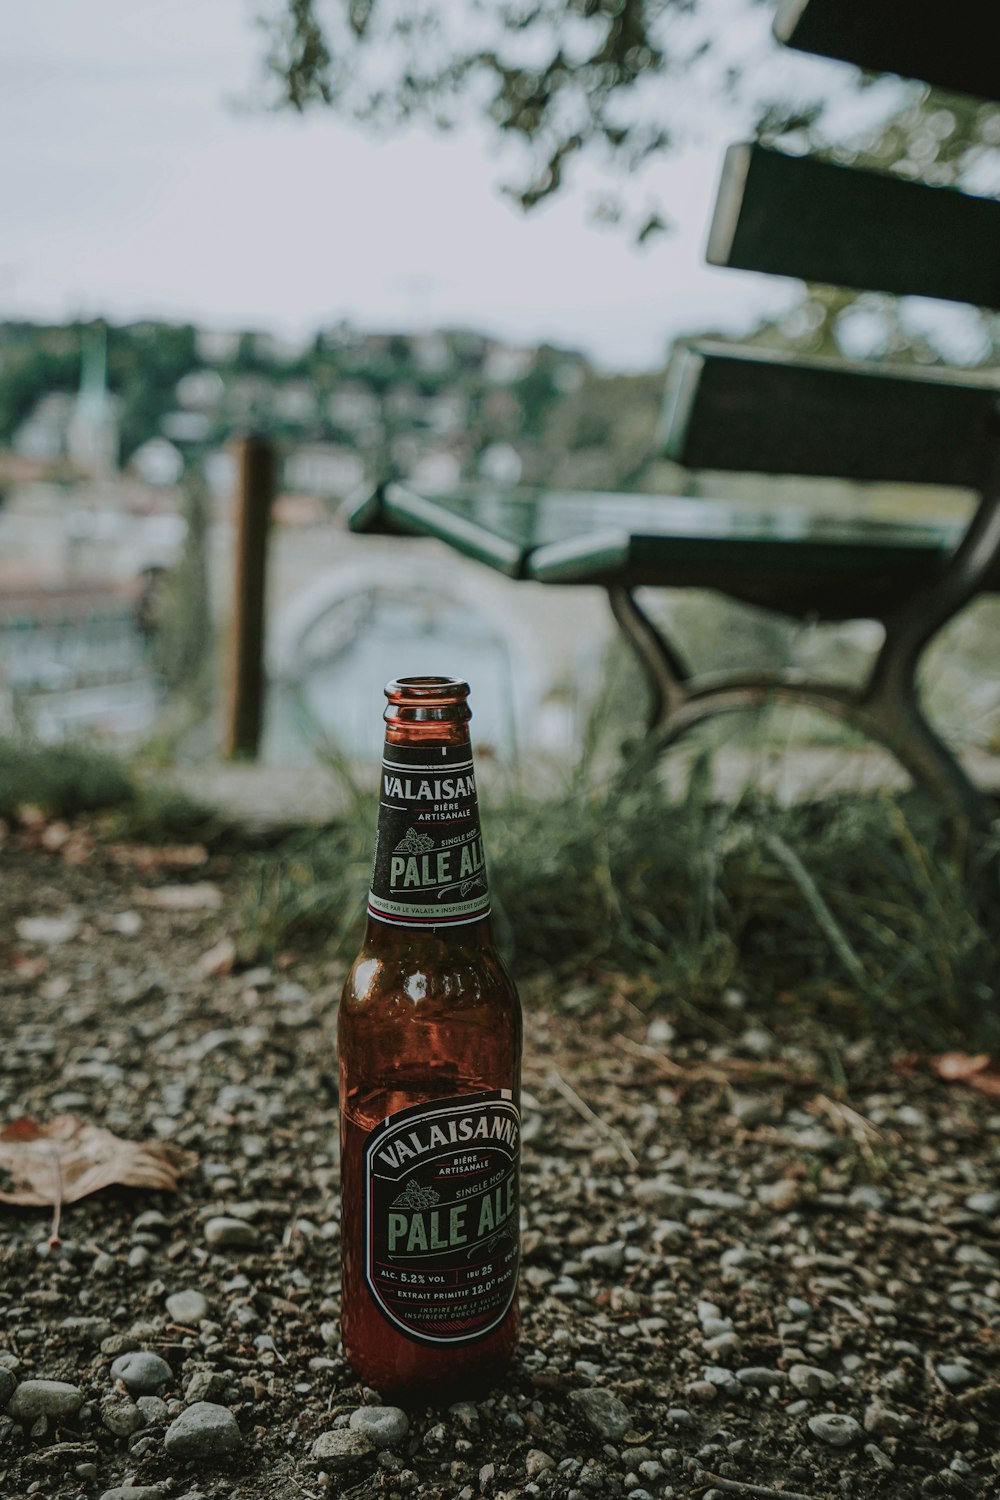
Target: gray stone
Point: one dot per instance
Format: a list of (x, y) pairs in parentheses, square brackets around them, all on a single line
[(835, 1428), (143, 1373), (798, 1308), (810, 1380), (153, 1409), (120, 1415), (135, 1492), (741, 1258), (975, 1255), (760, 1377), (86, 1330), (387, 1426), (956, 1375), (151, 1221), (536, 1461), (206, 1385), (187, 1307), (7, 1384), (203, 1431), (602, 1411), (986, 1203), (750, 1109), (230, 1234), (882, 1421), (342, 1449), (611, 1257), (44, 1398)]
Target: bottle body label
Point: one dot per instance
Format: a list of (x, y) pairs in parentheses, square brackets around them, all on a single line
[(429, 868), (441, 1207)]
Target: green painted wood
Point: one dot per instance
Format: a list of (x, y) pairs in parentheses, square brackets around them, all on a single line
[(731, 407), (798, 216), (952, 46)]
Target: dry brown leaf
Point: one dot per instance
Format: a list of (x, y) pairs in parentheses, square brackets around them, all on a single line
[(68, 1159), (975, 1072)]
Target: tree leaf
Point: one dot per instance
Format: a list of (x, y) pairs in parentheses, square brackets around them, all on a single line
[(68, 1159)]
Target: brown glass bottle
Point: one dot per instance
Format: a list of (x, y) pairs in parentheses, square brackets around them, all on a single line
[(429, 1038)]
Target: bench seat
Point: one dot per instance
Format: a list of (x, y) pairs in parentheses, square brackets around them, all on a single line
[(790, 558)]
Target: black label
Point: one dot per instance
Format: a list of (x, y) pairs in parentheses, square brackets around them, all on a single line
[(429, 867), (441, 1216)]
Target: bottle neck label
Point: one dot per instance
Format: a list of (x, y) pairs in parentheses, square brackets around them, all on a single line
[(429, 868), (441, 1216)]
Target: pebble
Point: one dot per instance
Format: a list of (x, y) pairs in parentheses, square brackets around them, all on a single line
[(810, 1380), (750, 1109), (86, 1330), (143, 1373), (45, 1398), (187, 1307), (878, 1456), (602, 1411), (760, 1377), (834, 1428), (7, 1384), (387, 1426), (153, 1409), (956, 1375), (135, 1492), (781, 1195), (987, 1204), (740, 1258), (203, 1431), (120, 1415), (536, 1461), (206, 1385), (799, 1309), (612, 1256), (228, 1234), (342, 1448), (151, 1221)]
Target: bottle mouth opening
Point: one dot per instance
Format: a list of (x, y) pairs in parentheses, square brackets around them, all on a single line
[(423, 689)]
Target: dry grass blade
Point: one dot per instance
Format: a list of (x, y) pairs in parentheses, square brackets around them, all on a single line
[(727, 1071), (68, 1159), (847, 1121), (583, 1109)]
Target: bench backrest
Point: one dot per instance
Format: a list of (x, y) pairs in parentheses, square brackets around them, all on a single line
[(749, 409)]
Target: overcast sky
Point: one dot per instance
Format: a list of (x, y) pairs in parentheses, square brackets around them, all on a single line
[(130, 186)]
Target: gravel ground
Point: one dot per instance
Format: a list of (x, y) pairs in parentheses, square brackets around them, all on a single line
[(733, 1276)]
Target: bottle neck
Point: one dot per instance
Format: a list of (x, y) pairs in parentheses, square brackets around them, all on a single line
[(429, 870)]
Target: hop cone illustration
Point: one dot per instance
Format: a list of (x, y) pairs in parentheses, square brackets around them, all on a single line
[(415, 1196), (413, 842)]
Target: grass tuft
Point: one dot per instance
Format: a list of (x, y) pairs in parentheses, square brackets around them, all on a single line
[(852, 908)]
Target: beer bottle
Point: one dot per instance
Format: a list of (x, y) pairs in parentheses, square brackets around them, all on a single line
[(429, 1037)]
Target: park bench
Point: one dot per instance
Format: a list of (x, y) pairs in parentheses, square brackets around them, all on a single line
[(750, 410)]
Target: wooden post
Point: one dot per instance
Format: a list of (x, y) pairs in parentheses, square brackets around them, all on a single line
[(255, 491)]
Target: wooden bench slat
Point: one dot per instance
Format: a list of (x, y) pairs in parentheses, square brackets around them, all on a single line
[(950, 46), (730, 407), (799, 216)]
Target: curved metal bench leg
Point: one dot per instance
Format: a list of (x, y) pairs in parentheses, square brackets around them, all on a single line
[(667, 674), (886, 710)]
